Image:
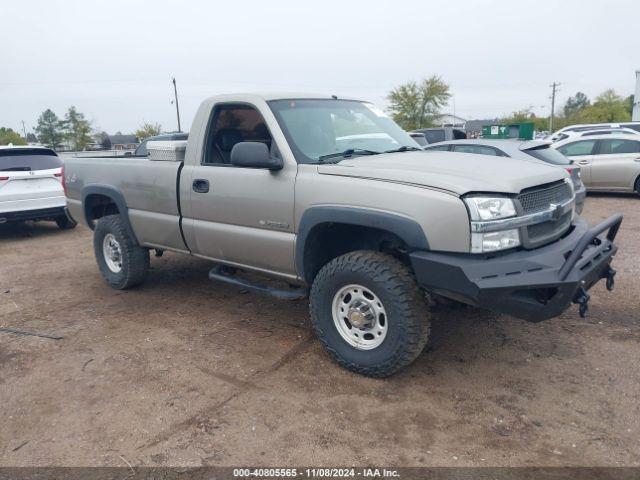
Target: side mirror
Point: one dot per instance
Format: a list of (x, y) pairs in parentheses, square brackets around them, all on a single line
[(254, 155)]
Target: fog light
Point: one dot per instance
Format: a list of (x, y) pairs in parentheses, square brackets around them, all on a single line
[(494, 241)]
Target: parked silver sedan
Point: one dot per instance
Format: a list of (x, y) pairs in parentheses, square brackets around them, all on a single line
[(529, 150), (609, 162)]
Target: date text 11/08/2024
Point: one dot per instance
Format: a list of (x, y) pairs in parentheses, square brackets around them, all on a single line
[(315, 473)]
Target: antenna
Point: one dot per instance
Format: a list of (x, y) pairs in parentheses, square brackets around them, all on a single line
[(175, 92)]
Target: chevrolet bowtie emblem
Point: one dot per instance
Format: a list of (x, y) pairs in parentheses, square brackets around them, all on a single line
[(556, 211)]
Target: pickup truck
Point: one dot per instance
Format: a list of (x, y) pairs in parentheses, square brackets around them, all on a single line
[(334, 199)]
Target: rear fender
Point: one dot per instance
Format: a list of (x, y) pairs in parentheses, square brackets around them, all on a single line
[(118, 199)]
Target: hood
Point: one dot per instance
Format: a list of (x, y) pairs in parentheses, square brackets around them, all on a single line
[(459, 173)]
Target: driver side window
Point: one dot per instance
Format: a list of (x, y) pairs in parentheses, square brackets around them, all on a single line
[(231, 124)]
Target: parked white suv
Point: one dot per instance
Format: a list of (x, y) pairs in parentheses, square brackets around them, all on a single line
[(596, 131), (31, 186), (560, 134)]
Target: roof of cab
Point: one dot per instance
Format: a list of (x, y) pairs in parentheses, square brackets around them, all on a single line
[(267, 96)]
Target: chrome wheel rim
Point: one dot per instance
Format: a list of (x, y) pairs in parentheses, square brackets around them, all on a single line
[(360, 317), (112, 253)]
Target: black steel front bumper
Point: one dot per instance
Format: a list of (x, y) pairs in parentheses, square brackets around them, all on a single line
[(530, 284)]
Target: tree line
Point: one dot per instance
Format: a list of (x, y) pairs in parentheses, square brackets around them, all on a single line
[(413, 105), (73, 131), (608, 107)]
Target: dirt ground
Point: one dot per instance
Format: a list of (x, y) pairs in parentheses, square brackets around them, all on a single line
[(187, 372)]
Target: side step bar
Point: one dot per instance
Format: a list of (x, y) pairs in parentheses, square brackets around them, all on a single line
[(218, 273)]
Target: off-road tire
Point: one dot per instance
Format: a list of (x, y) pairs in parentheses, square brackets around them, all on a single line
[(135, 259), (405, 303), (65, 223)]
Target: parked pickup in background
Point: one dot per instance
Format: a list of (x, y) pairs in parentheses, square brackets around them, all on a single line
[(333, 198)]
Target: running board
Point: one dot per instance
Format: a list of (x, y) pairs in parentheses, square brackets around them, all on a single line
[(218, 273)]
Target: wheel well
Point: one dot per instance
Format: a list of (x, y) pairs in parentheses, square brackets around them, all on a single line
[(637, 184), (327, 241), (97, 206)]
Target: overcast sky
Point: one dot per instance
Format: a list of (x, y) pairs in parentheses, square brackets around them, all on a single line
[(114, 60)]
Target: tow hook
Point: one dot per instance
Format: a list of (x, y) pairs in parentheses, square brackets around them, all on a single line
[(582, 298), (610, 276)]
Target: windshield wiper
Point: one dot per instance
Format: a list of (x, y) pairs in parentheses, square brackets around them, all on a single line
[(404, 148), (347, 153)]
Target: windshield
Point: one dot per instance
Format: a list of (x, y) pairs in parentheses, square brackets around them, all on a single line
[(318, 128), (549, 155)]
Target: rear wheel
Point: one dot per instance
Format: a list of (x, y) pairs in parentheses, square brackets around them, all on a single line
[(369, 313), (122, 262), (65, 223), (637, 187)]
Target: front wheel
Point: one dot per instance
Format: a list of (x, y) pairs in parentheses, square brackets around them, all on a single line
[(369, 313), (122, 262)]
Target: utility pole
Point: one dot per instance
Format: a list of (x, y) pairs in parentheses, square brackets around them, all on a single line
[(554, 87), (175, 92), (636, 100), (24, 130)]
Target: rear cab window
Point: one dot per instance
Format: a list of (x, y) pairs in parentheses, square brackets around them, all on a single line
[(28, 159), (142, 151)]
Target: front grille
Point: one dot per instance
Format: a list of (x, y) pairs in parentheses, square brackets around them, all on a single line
[(546, 232), (539, 199)]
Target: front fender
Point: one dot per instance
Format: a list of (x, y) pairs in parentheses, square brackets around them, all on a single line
[(405, 228)]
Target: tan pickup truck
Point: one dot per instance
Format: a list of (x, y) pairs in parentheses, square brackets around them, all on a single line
[(335, 199)]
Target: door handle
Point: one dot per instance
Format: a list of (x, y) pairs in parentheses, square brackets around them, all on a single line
[(200, 185), (584, 162), (636, 159)]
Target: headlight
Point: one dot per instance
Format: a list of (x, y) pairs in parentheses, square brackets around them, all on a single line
[(490, 208)]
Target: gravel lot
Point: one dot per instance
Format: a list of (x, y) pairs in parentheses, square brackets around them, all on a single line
[(186, 372)]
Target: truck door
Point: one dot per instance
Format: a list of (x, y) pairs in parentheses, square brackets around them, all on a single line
[(241, 216)]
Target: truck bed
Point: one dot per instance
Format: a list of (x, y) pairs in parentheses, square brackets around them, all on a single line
[(149, 187)]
